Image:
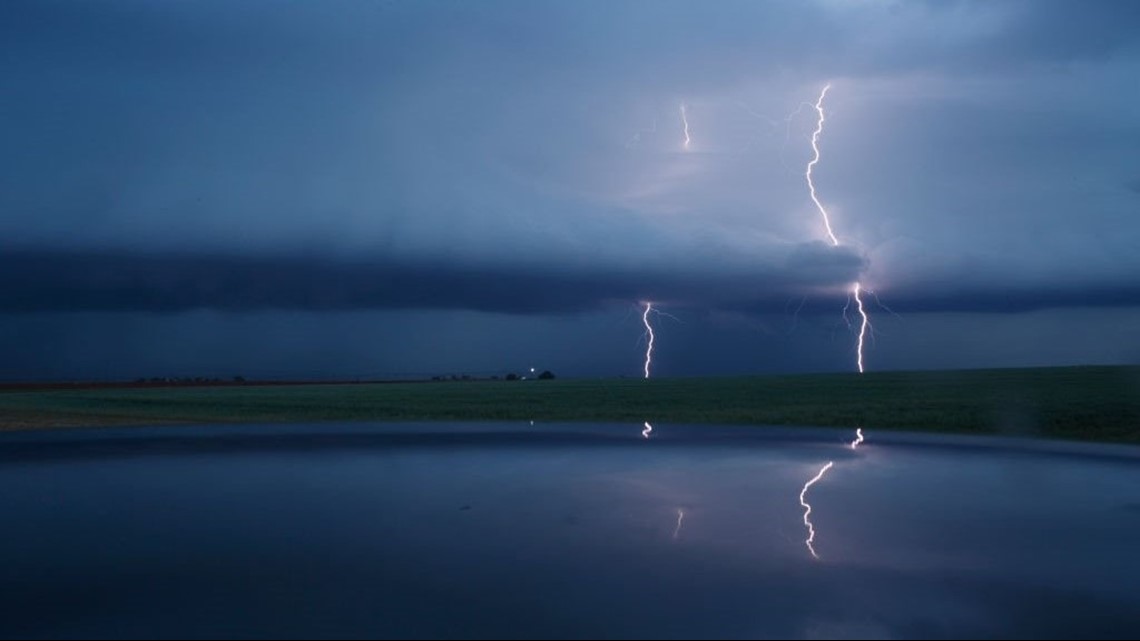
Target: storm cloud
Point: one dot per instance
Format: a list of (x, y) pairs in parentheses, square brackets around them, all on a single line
[(75, 281), (526, 158)]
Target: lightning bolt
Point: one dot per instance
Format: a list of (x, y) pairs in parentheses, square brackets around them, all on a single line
[(864, 325), (815, 160), (648, 333), (680, 520), (685, 123), (648, 355), (807, 508), (775, 124), (856, 289)]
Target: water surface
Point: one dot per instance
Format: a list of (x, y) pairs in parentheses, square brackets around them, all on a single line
[(521, 531)]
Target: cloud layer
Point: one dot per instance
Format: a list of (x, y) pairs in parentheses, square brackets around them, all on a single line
[(77, 281), (527, 157)]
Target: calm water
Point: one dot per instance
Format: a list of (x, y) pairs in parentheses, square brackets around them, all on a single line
[(517, 531)]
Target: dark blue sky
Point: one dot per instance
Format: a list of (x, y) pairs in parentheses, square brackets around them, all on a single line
[(371, 188)]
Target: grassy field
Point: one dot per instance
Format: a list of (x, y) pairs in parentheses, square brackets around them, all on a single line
[(1089, 403)]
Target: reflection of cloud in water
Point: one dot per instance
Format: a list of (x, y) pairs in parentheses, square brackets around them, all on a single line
[(562, 521)]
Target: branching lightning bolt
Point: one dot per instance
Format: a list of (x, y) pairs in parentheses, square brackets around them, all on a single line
[(649, 335), (864, 325), (685, 122), (807, 508), (856, 289), (787, 122)]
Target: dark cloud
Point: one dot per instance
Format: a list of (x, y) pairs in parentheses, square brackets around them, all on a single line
[(55, 280), (82, 281), (447, 155), (985, 298), (1062, 30), (648, 41)]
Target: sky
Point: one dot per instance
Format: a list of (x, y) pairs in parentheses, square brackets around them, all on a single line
[(341, 188)]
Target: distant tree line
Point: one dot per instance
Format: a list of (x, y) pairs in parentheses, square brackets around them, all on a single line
[(189, 380), (546, 375)]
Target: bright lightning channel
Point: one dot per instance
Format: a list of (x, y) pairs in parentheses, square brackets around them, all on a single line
[(649, 334), (858, 438), (685, 122), (865, 323), (815, 160), (807, 508), (648, 355), (680, 521)]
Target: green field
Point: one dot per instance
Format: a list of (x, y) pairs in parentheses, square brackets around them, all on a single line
[(1089, 403)]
